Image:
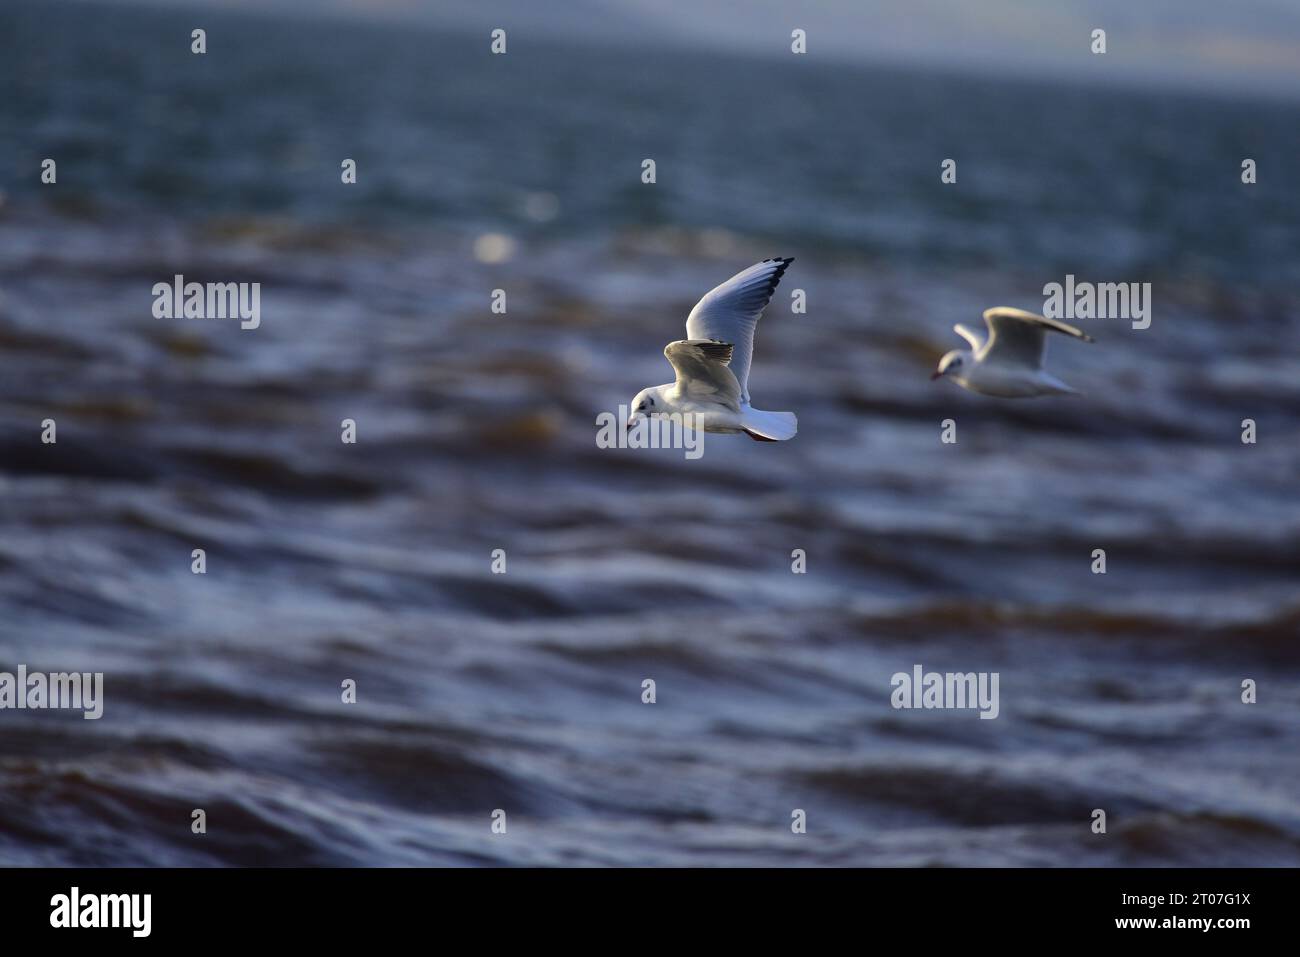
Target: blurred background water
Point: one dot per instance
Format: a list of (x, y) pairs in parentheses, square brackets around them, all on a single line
[(477, 431)]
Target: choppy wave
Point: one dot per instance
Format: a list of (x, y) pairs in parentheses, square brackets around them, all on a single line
[(522, 691)]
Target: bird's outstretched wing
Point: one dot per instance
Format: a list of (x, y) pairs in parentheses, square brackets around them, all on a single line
[(970, 335), (729, 313), (702, 373), (1016, 336)]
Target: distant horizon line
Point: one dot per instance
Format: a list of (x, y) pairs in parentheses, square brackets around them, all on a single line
[(1235, 88)]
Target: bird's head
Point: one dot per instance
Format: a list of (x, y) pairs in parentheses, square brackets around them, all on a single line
[(646, 403), (954, 363)]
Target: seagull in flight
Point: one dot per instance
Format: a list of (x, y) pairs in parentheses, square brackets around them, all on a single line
[(712, 362), (1009, 364)]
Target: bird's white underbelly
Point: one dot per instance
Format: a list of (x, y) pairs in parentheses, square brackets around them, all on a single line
[(1009, 383), (708, 416)]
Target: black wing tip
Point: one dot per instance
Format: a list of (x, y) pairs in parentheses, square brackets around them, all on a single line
[(717, 351), (714, 350), (778, 272)]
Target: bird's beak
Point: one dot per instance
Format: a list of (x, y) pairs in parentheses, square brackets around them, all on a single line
[(935, 375), (631, 423)]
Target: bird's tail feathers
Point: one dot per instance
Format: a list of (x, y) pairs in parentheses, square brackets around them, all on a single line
[(772, 426)]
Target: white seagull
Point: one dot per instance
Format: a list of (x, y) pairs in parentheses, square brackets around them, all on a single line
[(712, 363), (1009, 364)]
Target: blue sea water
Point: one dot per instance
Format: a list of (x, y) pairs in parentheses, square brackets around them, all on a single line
[(523, 691)]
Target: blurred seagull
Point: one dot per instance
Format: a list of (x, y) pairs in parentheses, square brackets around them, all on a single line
[(712, 363), (1009, 364)]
